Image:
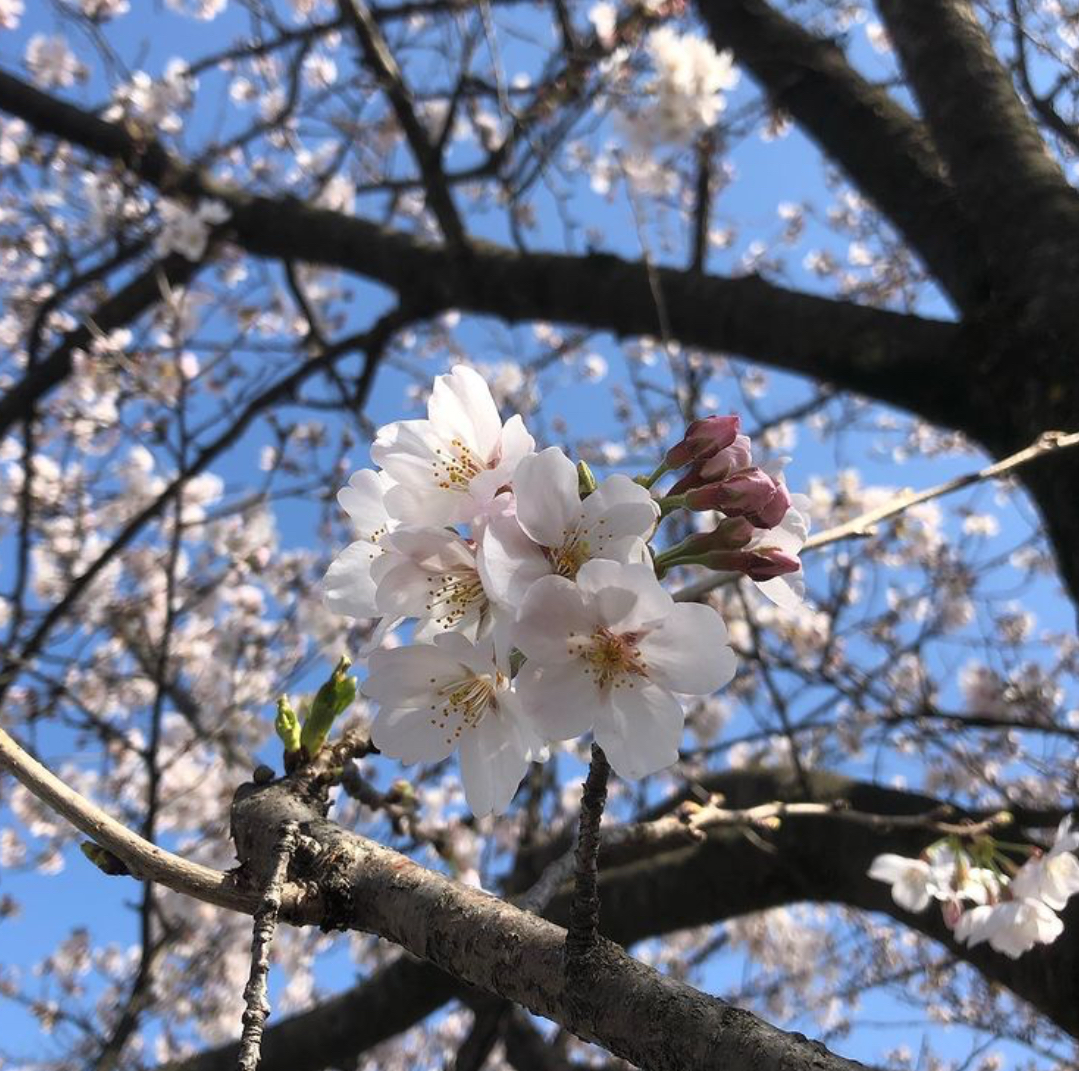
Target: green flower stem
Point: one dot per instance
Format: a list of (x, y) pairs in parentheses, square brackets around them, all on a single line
[(647, 481)]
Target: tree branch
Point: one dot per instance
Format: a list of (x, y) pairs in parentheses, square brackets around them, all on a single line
[(143, 859), (886, 152), (902, 359), (488, 943), (1024, 208), (380, 59)]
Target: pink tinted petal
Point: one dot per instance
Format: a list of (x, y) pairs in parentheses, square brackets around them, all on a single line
[(548, 505), (461, 407), (348, 587), (509, 562), (559, 701), (409, 735), (551, 613), (787, 592), (690, 652), (516, 445), (407, 676), (494, 759), (627, 596), (363, 501), (640, 728)]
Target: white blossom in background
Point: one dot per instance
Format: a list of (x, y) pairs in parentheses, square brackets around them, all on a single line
[(185, 231), (1052, 878), (911, 880), (156, 103), (604, 19), (449, 467), (687, 92), (51, 62), (102, 10), (981, 904), (10, 13), (610, 652), (448, 695), (199, 9)]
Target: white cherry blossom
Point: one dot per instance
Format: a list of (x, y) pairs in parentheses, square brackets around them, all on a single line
[(789, 536), (609, 653), (1052, 878), (449, 467), (1016, 926), (453, 694), (51, 62), (910, 879), (431, 574), (185, 231), (555, 532), (348, 587)]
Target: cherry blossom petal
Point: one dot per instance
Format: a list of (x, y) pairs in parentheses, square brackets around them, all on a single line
[(494, 758), (626, 596), (690, 653), (560, 701), (348, 587), (548, 502), (411, 735), (364, 501), (909, 879), (509, 562), (461, 407), (407, 675), (639, 726), (552, 612)]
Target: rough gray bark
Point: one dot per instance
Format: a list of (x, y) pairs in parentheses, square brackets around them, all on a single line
[(646, 895), (885, 151), (626, 1007)]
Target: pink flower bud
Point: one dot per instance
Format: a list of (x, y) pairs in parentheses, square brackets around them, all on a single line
[(732, 533), (774, 511), (732, 458), (765, 563), (744, 494), (703, 439)]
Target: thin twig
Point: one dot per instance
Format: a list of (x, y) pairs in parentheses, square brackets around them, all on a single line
[(143, 859), (256, 996), (584, 911)]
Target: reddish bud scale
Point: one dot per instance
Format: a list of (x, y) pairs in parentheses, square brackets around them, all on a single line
[(703, 439)]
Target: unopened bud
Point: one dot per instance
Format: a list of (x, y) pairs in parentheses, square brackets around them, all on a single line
[(703, 439), (765, 563), (732, 533), (743, 494), (719, 466), (776, 509)]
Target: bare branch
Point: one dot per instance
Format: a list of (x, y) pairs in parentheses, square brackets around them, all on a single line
[(885, 151), (256, 995)]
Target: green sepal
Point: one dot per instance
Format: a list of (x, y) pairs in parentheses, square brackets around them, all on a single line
[(287, 725), (586, 481), (330, 700)]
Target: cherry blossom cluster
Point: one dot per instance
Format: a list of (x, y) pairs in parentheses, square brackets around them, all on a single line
[(984, 895), (537, 614)]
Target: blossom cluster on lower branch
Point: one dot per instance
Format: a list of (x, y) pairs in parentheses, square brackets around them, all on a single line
[(984, 896), (534, 589)]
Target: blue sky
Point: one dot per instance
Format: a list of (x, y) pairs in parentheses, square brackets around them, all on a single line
[(767, 174)]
